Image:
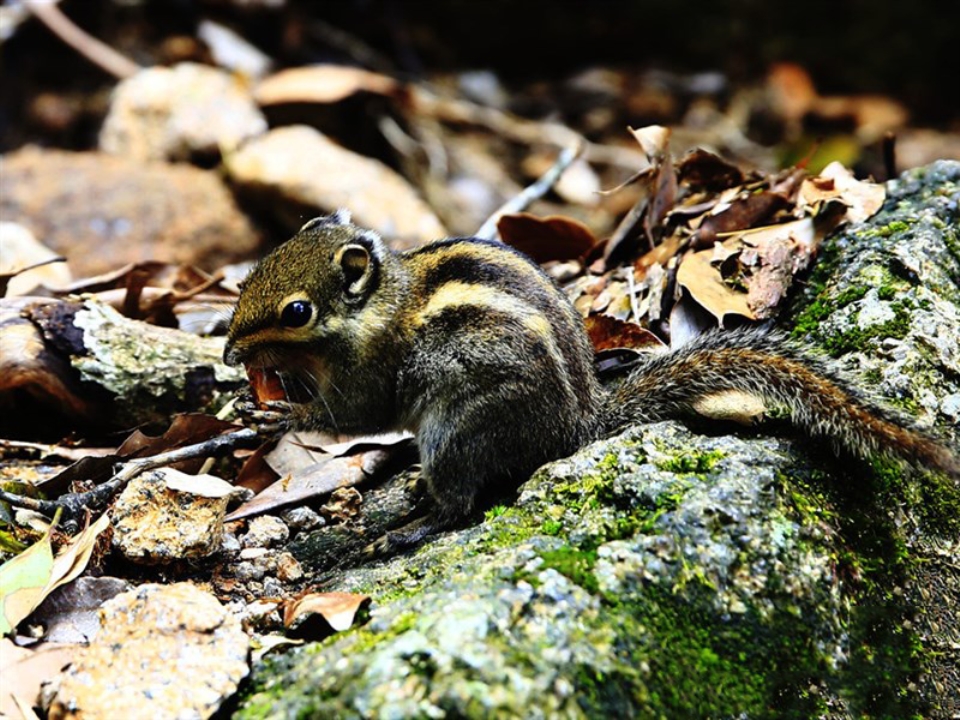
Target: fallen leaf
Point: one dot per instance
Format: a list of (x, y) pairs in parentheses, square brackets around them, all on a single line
[(701, 169), (654, 140), (69, 614), (835, 182), (742, 214), (75, 555), (22, 583), (265, 384), (546, 239), (24, 670), (321, 84), (321, 478), (697, 276), (658, 190), (338, 609), (256, 474), (185, 429), (607, 333), (27, 579), (348, 445)]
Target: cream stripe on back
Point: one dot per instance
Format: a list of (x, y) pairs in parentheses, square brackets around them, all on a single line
[(458, 294)]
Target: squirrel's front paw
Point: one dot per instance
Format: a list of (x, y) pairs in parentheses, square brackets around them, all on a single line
[(270, 418)]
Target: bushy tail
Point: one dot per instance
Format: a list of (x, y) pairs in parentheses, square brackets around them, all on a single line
[(769, 366)]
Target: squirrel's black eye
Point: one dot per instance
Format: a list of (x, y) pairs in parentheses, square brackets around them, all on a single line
[(296, 314)]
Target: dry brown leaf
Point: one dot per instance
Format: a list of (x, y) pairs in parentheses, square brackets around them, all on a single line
[(607, 333), (69, 614), (654, 140), (186, 429), (660, 255), (319, 479), (321, 84), (835, 182), (24, 670), (701, 169), (546, 239), (703, 282), (265, 384), (338, 609), (256, 474), (742, 214)]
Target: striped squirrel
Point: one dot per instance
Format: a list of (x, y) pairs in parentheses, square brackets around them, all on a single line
[(470, 346)]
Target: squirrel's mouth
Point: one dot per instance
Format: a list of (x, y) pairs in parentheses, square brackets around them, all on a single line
[(269, 384), (265, 383)]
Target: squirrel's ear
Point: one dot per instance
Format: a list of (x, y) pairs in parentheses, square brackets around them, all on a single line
[(339, 217), (360, 266)]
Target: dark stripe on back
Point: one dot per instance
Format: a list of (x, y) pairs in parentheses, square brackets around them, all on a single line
[(472, 270)]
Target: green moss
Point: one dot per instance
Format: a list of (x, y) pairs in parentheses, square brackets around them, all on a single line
[(698, 463), (855, 337), (892, 228), (699, 666), (575, 564), (495, 511), (551, 527), (931, 496)]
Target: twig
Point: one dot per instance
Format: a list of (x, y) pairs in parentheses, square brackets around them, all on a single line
[(74, 505), (530, 193), (529, 132), (97, 52)]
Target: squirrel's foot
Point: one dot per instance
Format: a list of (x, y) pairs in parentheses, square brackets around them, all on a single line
[(269, 419), (404, 537)]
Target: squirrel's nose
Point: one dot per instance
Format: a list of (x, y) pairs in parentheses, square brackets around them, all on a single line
[(230, 355)]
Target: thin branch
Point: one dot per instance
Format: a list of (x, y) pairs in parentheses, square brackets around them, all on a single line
[(97, 52), (530, 193), (518, 129), (74, 505)]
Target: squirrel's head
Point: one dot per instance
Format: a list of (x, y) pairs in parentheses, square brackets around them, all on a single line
[(305, 290)]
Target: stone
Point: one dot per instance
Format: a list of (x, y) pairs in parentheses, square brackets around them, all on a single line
[(128, 211), (155, 523), (163, 651), (176, 113), (304, 173)]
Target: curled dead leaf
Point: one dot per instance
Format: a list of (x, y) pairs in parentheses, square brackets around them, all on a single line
[(338, 611), (607, 333), (697, 276), (546, 239)]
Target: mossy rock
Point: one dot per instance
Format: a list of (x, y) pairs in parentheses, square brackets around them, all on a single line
[(667, 573)]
